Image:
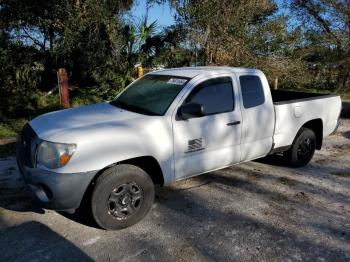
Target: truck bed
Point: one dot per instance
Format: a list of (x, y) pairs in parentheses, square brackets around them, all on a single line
[(284, 96), (294, 109)]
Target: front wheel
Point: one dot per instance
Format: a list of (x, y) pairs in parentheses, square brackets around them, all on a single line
[(122, 196), (302, 149)]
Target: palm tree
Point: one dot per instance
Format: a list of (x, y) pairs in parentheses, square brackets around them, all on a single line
[(137, 46)]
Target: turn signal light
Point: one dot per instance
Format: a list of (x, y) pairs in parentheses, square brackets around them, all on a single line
[(64, 159)]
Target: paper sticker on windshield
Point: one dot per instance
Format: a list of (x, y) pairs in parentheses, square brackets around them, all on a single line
[(176, 81)]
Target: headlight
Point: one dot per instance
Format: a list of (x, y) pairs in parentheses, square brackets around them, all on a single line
[(54, 155)]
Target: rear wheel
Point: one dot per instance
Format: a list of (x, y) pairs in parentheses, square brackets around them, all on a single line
[(302, 149), (122, 196)]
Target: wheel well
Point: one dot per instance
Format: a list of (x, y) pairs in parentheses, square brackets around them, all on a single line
[(148, 163), (316, 125)]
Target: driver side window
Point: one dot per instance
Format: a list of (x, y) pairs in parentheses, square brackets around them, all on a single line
[(216, 95)]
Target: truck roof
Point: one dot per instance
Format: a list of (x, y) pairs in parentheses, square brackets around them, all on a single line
[(203, 70)]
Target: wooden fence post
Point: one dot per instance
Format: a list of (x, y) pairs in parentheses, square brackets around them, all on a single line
[(63, 87)]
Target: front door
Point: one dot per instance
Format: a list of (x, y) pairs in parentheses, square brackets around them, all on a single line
[(213, 141)]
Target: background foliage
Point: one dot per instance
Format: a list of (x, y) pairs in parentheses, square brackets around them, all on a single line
[(306, 45)]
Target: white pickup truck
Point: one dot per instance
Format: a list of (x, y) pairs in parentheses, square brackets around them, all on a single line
[(168, 125)]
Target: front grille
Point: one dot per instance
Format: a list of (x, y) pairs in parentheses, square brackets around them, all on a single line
[(27, 147)]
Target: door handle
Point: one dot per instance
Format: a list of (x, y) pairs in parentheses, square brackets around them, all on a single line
[(233, 123)]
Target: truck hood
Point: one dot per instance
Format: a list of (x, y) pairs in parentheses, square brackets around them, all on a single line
[(71, 124)]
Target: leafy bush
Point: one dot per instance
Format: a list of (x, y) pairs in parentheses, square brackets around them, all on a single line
[(84, 100), (11, 128), (6, 132)]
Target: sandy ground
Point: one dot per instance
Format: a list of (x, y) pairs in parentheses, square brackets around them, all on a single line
[(251, 212)]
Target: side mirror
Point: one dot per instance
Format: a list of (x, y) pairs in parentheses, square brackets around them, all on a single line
[(191, 110)]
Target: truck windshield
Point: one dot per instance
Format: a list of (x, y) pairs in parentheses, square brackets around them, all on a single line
[(151, 95)]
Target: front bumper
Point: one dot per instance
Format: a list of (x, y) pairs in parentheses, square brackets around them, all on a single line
[(53, 190)]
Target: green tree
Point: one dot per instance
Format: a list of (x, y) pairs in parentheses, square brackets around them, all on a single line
[(326, 27), (242, 33), (38, 37)]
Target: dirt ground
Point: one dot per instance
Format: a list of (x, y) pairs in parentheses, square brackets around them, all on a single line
[(257, 211)]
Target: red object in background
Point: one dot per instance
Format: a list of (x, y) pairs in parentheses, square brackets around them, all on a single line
[(63, 87), (311, 71)]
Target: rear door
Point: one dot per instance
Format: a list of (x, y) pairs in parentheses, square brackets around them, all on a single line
[(212, 141), (258, 115)]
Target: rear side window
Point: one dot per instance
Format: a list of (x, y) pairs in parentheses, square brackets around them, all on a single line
[(252, 91), (216, 95)]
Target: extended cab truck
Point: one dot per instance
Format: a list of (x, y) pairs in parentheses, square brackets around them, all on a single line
[(169, 125)]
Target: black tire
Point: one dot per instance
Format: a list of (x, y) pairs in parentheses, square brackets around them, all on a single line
[(302, 149), (122, 196)]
